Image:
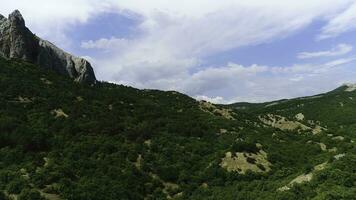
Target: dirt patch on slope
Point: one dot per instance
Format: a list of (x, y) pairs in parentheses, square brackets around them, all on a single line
[(242, 162), (46, 81), (285, 124), (299, 116), (350, 87), (212, 109), (59, 113), (282, 123), (303, 178)]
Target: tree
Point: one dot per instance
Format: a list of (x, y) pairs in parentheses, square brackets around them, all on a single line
[(30, 194), (16, 186), (3, 196)]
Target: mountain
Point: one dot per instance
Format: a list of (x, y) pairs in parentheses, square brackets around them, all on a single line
[(62, 140), (17, 41)]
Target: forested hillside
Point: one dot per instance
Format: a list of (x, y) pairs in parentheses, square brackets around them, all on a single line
[(64, 140)]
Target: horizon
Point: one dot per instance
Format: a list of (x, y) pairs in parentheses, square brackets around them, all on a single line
[(214, 52)]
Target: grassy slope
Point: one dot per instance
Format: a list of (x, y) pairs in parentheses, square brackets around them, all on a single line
[(122, 143)]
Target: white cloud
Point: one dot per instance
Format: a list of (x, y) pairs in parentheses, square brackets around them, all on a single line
[(104, 43), (340, 49), (198, 26), (236, 83), (202, 28), (340, 23), (255, 83), (216, 100), (178, 35), (51, 19)]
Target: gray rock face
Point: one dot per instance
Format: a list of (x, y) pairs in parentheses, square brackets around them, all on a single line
[(17, 41)]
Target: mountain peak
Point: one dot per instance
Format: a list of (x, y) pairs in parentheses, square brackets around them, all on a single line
[(17, 41), (16, 17)]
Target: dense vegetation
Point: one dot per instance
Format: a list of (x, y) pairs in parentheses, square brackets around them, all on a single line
[(62, 140)]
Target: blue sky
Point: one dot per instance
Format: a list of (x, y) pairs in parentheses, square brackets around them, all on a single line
[(221, 51)]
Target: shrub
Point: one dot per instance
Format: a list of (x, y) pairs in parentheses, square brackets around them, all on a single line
[(3, 196), (251, 160), (244, 147), (16, 186), (261, 167), (30, 194)]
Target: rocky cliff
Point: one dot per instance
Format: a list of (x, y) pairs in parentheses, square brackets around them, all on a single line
[(17, 41)]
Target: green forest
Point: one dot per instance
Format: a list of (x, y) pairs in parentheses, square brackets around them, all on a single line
[(60, 140)]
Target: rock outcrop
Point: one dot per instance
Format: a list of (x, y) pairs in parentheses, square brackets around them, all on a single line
[(17, 41)]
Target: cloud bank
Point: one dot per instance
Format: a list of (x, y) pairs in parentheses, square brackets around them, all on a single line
[(177, 37), (339, 50), (340, 23)]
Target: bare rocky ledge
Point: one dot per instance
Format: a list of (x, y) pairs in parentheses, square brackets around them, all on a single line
[(17, 41)]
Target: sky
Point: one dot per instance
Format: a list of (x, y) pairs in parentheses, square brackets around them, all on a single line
[(222, 51)]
